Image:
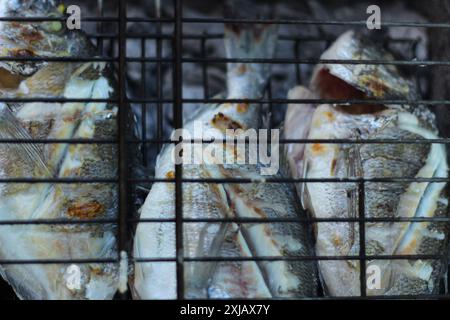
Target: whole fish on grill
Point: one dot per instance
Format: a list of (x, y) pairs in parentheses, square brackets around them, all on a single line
[(225, 279), (397, 199), (51, 120)]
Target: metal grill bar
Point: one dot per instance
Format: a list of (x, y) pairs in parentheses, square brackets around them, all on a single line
[(215, 101), (293, 180), (211, 36), (225, 220), (301, 101), (178, 123), (304, 141), (225, 259), (362, 238), (224, 20), (317, 22), (419, 63), (175, 62), (124, 191), (222, 181)]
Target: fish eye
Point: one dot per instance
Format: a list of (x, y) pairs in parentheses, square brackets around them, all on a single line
[(52, 26)]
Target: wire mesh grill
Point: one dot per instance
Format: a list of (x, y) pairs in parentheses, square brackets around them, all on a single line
[(151, 102)]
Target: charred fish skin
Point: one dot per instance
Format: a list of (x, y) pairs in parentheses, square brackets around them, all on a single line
[(221, 280), (237, 279), (382, 199), (40, 39), (56, 201), (285, 278), (200, 200)]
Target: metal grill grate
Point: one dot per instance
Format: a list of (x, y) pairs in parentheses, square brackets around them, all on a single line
[(151, 103)]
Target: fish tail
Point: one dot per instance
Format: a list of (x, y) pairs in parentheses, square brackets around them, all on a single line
[(243, 41)]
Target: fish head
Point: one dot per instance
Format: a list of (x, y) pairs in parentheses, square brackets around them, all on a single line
[(361, 81), (30, 39)]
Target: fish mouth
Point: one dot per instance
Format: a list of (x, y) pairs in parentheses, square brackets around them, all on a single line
[(331, 87)]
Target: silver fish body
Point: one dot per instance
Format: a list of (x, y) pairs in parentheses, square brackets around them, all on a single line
[(70, 120), (209, 200), (383, 199), (238, 279)]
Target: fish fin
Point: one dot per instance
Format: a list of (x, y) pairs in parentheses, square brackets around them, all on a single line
[(354, 170), (255, 41), (265, 120), (202, 276), (303, 193), (89, 71), (11, 128)]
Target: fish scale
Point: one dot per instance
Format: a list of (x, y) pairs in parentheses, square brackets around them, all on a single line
[(58, 201), (202, 200), (372, 161)]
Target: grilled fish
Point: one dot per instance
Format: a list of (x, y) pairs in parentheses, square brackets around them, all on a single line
[(227, 279), (69, 120), (398, 199)]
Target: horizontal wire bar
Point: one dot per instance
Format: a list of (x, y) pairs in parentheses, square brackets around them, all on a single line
[(321, 101), (224, 259), (303, 141), (58, 141), (296, 180), (141, 19), (59, 180), (294, 220), (49, 18), (55, 100), (294, 258), (215, 101), (417, 63), (346, 102), (219, 36), (58, 59), (57, 222), (84, 19), (57, 261), (420, 63), (226, 20), (325, 298), (282, 37), (225, 220), (316, 22)]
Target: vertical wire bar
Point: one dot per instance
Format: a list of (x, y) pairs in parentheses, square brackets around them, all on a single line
[(144, 105), (362, 237), (297, 65), (448, 276), (100, 27), (159, 87), (178, 123), (205, 66), (122, 123), (418, 72), (269, 96)]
